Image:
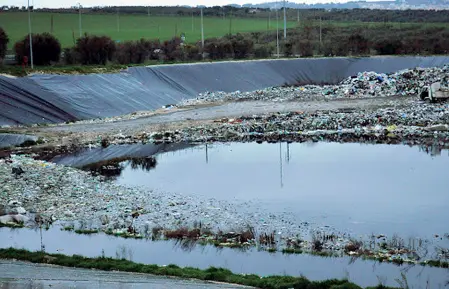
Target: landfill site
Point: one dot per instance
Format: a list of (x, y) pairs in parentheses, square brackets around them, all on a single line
[(285, 166)]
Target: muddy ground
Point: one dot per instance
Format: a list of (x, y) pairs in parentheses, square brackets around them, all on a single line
[(23, 275)]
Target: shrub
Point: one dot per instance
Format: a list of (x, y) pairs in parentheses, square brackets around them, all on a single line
[(288, 48), (4, 40), (46, 49), (171, 49), (95, 49), (136, 51), (70, 56), (357, 44), (151, 46), (263, 51), (127, 53), (441, 46), (218, 48), (192, 52), (242, 46), (389, 47), (306, 48), (335, 47)]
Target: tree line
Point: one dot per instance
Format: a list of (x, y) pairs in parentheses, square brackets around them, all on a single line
[(307, 40), (341, 15)]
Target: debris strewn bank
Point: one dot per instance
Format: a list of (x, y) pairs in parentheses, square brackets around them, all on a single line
[(36, 193)]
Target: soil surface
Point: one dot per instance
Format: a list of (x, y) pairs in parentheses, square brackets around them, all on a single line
[(23, 275)]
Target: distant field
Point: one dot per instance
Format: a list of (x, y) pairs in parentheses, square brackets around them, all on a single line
[(132, 27)]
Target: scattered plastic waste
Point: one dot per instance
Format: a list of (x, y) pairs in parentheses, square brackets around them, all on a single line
[(365, 84)]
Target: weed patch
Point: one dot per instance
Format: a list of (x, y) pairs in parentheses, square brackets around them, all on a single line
[(211, 274), (86, 232)]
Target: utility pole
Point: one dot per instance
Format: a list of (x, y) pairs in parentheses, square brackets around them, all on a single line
[(298, 15), (277, 30), (269, 18), (285, 22), (202, 29), (29, 32), (230, 24), (148, 11), (268, 24), (79, 18), (320, 31), (118, 19)]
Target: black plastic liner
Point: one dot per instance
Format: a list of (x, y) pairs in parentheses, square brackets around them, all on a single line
[(10, 139), (61, 98), (87, 157)]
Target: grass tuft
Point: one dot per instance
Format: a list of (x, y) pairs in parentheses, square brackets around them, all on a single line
[(291, 251), (85, 232), (12, 225)]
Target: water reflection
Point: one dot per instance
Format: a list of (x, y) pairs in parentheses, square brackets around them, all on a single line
[(112, 169), (433, 150), (146, 163), (382, 189)]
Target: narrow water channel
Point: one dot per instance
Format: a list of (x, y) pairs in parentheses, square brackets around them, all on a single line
[(364, 273)]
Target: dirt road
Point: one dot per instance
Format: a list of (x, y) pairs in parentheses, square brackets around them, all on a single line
[(22, 275), (232, 109)]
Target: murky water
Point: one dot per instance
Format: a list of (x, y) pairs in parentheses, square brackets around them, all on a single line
[(364, 273), (380, 189), (362, 189)]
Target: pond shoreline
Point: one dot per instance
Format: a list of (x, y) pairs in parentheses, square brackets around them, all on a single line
[(211, 274)]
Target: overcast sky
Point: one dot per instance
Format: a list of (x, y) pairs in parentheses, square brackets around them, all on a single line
[(89, 3)]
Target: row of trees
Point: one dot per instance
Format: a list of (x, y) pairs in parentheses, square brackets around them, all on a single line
[(4, 40), (345, 15), (377, 15), (99, 50), (313, 39), (306, 41)]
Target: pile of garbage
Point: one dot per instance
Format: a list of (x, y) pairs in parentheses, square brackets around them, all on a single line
[(424, 121), (62, 193), (365, 84)]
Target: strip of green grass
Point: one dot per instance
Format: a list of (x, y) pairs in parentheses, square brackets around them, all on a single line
[(211, 274), (132, 26)]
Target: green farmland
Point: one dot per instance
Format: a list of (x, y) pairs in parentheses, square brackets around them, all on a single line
[(129, 27)]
